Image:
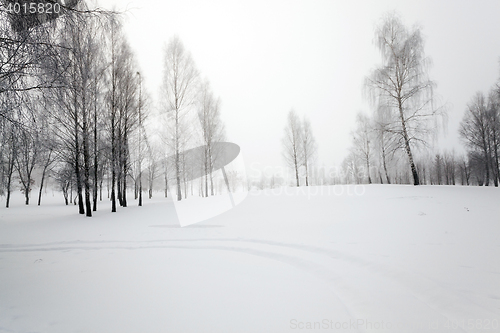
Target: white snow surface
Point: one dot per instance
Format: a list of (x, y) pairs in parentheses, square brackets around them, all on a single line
[(376, 258)]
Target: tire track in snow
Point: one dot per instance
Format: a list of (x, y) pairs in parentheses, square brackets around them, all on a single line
[(358, 302)]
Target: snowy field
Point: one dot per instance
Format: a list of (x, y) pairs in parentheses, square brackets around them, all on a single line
[(327, 259)]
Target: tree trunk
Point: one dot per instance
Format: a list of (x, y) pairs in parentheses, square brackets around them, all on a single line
[(211, 184), (177, 162), (96, 160), (65, 193), (307, 176), (178, 177), (124, 195), (8, 198), (206, 172), (368, 168), (86, 168), (492, 161), (27, 194), (79, 189), (100, 189), (10, 171), (185, 183), (487, 167), (119, 185), (113, 165), (416, 180), (125, 162), (166, 184), (296, 172), (140, 189), (497, 168), (385, 167), (41, 187)]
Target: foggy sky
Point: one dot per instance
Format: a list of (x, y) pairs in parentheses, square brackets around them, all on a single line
[(265, 57)]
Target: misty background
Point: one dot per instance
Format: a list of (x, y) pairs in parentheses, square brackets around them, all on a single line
[(265, 57)]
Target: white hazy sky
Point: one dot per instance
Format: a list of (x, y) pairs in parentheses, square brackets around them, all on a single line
[(264, 57)]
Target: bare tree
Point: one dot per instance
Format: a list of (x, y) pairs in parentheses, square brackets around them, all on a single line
[(494, 132), (179, 92), (309, 147), (97, 106), (48, 154), (26, 160), (449, 167), (140, 137), (402, 84), (362, 141), (475, 129), (64, 177), (384, 139), (22, 54), (9, 129), (351, 171), (438, 169), (80, 71), (212, 130), (465, 172), (292, 143), (154, 158), (9, 148), (128, 115), (115, 37)]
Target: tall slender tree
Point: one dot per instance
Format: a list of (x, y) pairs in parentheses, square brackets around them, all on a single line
[(362, 142), (292, 143), (308, 146), (212, 130), (180, 80), (402, 84)]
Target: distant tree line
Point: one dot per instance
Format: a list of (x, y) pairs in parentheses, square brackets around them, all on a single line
[(74, 109), (480, 132), (394, 144)]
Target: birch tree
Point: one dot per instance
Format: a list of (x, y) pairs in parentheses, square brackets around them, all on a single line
[(28, 150), (115, 36), (402, 84), (48, 152), (308, 146), (212, 130), (10, 128), (384, 140), (292, 143), (362, 142), (76, 98), (179, 90)]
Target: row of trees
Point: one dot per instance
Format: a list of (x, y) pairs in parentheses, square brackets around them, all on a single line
[(375, 159), (73, 108), (394, 143), (405, 118), (185, 98)]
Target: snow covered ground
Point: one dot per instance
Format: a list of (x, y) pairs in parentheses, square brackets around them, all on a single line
[(372, 258)]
